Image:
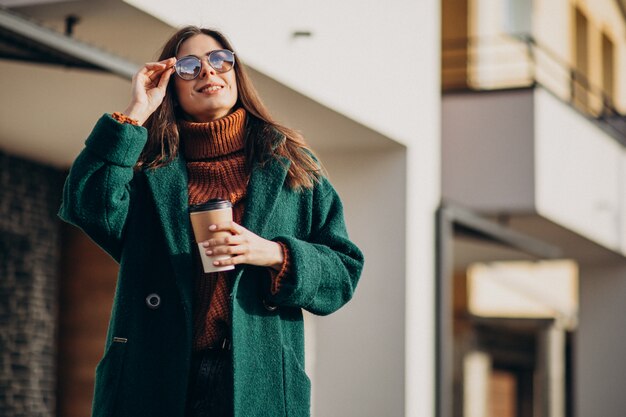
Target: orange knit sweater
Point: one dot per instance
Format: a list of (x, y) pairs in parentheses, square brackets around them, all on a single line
[(216, 169)]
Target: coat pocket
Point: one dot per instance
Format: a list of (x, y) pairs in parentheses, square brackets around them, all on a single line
[(297, 386), (108, 375)]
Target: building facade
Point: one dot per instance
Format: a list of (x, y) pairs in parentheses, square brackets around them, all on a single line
[(533, 137), (473, 142)]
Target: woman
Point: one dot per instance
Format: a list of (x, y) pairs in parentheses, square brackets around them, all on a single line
[(182, 342)]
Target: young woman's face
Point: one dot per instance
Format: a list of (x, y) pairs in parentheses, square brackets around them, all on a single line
[(210, 95)]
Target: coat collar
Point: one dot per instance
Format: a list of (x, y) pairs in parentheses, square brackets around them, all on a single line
[(266, 183), (169, 189)]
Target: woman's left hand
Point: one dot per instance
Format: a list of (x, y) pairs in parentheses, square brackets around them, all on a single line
[(244, 247)]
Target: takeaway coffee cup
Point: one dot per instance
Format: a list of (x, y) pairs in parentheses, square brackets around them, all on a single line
[(214, 211)]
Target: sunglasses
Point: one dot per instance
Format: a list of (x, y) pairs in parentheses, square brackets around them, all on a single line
[(189, 67)]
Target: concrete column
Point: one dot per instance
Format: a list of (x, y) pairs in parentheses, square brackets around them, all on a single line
[(476, 373), (550, 378)]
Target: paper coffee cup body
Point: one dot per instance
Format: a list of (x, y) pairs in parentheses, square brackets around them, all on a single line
[(207, 261), (204, 215)]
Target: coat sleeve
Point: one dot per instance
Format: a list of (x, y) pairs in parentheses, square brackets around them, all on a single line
[(325, 269), (96, 195)]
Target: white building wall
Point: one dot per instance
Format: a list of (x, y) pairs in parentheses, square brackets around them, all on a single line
[(370, 60), (423, 198), (577, 172), (551, 26), (498, 58), (360, 350), (486, 18)]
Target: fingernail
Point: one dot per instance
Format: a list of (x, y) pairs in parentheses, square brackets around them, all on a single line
[(209, 252), (212, 227), (216, 263), (205, 244)]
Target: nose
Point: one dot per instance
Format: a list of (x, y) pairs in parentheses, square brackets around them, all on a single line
[(206, 70)]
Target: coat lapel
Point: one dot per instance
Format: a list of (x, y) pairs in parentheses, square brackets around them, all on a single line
[(266, 183), (169, 189)]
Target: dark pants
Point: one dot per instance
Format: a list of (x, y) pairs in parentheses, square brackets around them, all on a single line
[(211, 384)]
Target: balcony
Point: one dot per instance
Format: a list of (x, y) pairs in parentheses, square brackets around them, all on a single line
[(529, 139), (517, 62)]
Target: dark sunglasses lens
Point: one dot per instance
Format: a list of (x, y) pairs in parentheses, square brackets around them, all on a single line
[(188, 68), (222, 60)]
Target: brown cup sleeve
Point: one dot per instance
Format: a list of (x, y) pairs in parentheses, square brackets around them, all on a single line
[(201, 220)]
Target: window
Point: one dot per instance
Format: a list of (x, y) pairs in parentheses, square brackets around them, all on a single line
[(608, 71), (580, 82), (517, 16)]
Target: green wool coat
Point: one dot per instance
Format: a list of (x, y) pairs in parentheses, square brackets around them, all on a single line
[(140, 217)]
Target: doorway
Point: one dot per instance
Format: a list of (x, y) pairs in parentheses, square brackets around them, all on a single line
[(506, 309)]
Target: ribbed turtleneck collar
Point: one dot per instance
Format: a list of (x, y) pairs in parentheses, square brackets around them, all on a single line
[(213, 139)]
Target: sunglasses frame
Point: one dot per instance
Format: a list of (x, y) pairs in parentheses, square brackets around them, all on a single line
[(208, 58)]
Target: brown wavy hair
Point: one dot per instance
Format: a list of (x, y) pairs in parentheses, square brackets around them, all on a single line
[(265, 139)]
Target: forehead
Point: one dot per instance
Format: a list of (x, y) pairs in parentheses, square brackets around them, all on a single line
[(198, 45)]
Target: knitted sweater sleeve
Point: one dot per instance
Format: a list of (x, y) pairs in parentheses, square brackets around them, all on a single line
[(325, 268), (276, 277), (96, 195)]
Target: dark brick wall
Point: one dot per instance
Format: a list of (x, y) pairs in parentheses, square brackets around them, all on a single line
[(30, 194)]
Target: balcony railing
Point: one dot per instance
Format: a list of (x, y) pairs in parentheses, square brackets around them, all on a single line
[(519, 61)]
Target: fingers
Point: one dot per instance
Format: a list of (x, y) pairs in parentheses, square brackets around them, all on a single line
[(228, 250), (231, 227), (155, 71), (225, 241), (234, 247), (158, 66), (238, 246), (233, 260), (165, 77), (238, 235), (235, 244)]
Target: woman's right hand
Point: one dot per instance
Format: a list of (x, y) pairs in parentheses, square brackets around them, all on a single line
[(148, 89)]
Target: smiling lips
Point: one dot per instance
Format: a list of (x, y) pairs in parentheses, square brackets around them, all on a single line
[(210, 88)]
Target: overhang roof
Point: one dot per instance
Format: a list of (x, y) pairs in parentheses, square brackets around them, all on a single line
[(23, 39), (54, 87)]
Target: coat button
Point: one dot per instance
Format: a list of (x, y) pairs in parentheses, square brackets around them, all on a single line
[(153, 301), (268, 306)]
